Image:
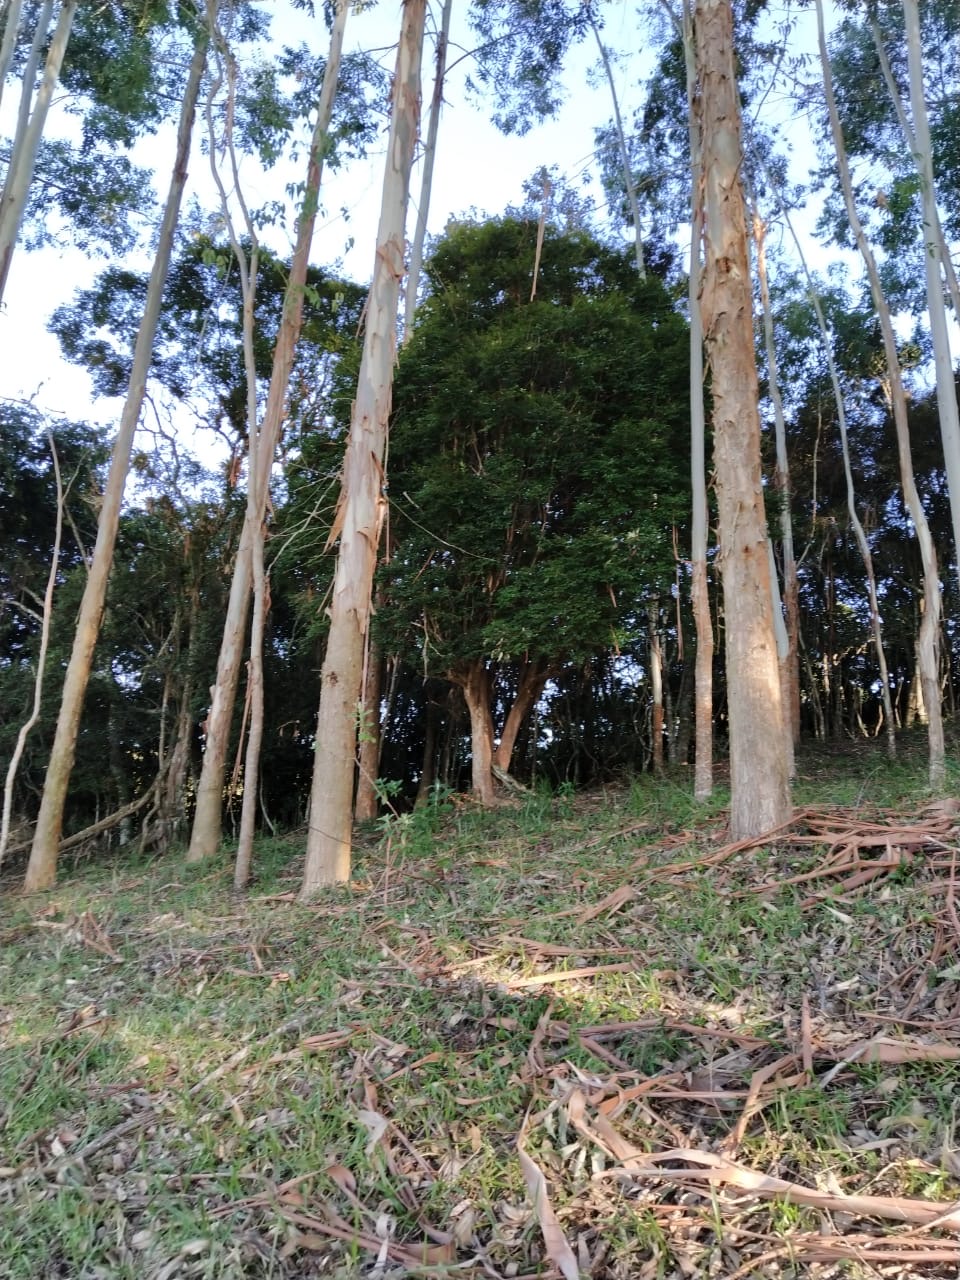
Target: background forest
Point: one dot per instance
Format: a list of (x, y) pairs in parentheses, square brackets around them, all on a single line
[(533, 613)]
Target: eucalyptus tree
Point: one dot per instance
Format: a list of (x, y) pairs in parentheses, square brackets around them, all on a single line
[(537, 461), (41, 869), (263, 440), (120, 69), (760, 791), (928, 646), (362, 504), (31, 118)]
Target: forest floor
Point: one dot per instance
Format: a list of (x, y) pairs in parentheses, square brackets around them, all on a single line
[(578, 1035)]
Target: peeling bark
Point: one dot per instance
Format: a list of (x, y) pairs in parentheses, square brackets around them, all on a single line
[(362, 505), (760, 793)]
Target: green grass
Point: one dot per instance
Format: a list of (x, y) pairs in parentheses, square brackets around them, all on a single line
[(171, 1056)]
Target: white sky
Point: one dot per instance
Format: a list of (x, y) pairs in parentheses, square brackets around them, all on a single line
[(477, 168)]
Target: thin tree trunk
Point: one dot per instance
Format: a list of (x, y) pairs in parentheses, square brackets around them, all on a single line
[(475, 684), (34, 716), (783, 659), (366, 803), (699, 589), (760, 791), (362, 505), (945, 259), (426, 183), (929, 639), (863, 544), (208, 817), (11, 15), (656, 686), (428, 771), (791, 601), (933, 256), (532, 682), (23, 157), (259, 474), (42, 867), (622, 145)]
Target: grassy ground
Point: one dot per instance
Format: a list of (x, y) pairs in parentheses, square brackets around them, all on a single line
[(196, 1086)]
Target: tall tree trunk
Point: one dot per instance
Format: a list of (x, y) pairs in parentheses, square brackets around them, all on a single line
[(11, 16), (791, 599), (42, 866), (863, 544), (26, 144), (207, 823), (699, 590), (247, 262), (475, 683), (625, 164), (426, 182), (760, 791), (934, 226), (929, 638), (46, 615), (362, 504), (533, 680), (933, 257)]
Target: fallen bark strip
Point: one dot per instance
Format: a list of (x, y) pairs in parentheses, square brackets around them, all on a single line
[(704, 1166)]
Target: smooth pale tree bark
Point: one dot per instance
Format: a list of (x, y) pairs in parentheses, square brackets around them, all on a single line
[(366, 802), (475, 683), (656, 686), (533, 680), (10, 13), (426, 182), (45, 616), (206, 833), (790, 660), (258, 478), (362, 505), (943, 250), (863, 544), (759, 785), (928, 645), (625, 165), (933, 257), (699, 530), (42, 866), (26, 144)]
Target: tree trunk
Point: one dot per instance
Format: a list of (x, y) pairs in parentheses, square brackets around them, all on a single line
[(42, 867), (932, 258), (207, 823), (23, 157), (366, 803), (532, 682), (790, 662), (426, 183), (656, 687), (475, 683), (699, 588), (929, 639), (362, 505), (790, 588), (11, 15), (428, 771), (34, 716), (760, 792), (622, 145)]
